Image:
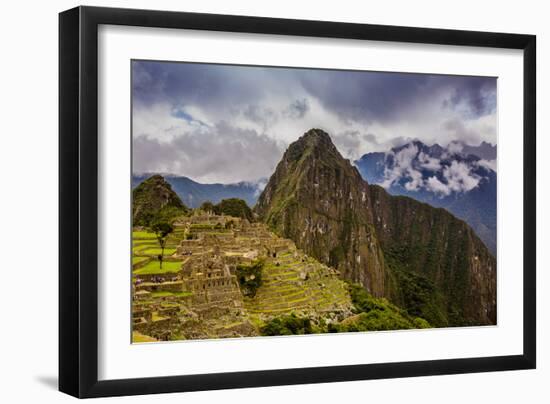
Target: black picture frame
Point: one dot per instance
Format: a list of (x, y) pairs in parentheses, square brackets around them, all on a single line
[(78, 201)]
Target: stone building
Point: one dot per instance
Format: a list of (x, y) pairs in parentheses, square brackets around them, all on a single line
[(210, 280)]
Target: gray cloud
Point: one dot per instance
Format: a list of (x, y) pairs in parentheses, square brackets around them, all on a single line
[(261, 115), (186, 114), (434, 185), (222, 154), (403, 168), (459, 131), (460, 177), (477, 93), (298, 108)]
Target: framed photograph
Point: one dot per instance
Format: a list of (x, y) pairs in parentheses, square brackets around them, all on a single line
[(251, 201)]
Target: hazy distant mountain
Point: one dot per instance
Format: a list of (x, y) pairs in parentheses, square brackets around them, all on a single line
[(459, 178), (484, 151), (193, 193)]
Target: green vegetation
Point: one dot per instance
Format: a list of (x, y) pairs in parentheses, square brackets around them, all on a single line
[(229, 207), (421, 298), (208, 206), (168, 214), (416, 293), (234, 207), (376, 314), (143, 243), (250, 277), (287, 325), (378, 320), (138, 249), (162, 230), (139, 260), (156, 251), (154, 268), (143, 235), (157, 317), (138, 337), (155, 201)]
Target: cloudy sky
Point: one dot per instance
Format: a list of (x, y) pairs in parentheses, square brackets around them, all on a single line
[(220, 123)]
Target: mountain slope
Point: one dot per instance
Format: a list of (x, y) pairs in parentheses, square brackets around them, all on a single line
[(317, 199), (422, 258), (193, 193), (459, 181), (420, 240), (154, 198)]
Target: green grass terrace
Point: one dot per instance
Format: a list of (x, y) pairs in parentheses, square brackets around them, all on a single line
[(139, 260), (153, 268), (143, 235)]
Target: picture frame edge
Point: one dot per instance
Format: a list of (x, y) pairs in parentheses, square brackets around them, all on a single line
[(78, 176)]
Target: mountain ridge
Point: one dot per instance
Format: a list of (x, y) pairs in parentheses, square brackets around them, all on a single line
[(458, 181), (416, 255), (193, 193)]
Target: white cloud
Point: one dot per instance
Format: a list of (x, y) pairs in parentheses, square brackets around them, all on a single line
[(429, 163), (455, 148), (409, 167), (402, 167), (159, 122), (416, 181), (488, 164), (433, 184), (460, 178)]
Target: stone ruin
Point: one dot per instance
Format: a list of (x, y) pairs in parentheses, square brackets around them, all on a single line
[(209, 278), (204, 300)]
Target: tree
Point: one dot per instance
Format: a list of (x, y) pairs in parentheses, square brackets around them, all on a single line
[(208, 207), (287, 325), (162, 230), (250, 277), (234, 207)]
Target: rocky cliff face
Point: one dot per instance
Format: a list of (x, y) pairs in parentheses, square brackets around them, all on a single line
[(421, 240), (429, 174), (316, 198), (422, 258), (154, 198)]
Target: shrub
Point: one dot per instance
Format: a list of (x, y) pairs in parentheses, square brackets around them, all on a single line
[(287, 325), (376, 314), (250, 277)]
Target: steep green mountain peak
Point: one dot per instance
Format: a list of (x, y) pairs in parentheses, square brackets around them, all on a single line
[(318, 199), (154, 199), (421, 258)]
